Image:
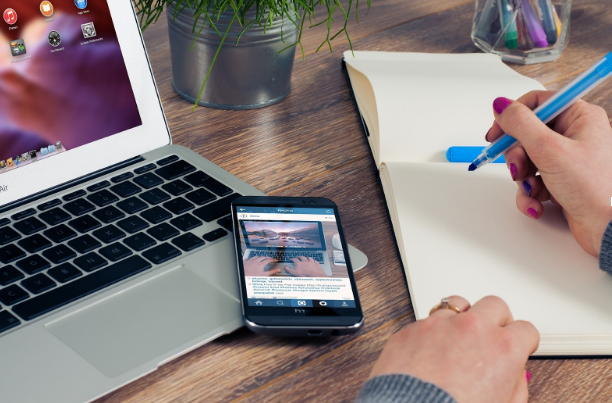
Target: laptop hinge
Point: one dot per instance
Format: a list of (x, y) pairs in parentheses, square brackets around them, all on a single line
[(67, 185)]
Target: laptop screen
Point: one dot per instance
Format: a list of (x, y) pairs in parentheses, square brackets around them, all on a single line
[(283, 234), (63, 79)]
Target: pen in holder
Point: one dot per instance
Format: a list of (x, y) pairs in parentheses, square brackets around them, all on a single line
[(522, 31)]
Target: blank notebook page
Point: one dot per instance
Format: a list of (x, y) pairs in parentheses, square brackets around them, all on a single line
[(462, 234)]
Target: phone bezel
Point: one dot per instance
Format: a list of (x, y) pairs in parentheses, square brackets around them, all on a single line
[(278, 317)]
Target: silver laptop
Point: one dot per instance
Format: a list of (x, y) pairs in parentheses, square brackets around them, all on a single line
[(115, 254), (285, 241)]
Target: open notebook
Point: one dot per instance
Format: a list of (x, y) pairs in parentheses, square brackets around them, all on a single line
[(459, 232)]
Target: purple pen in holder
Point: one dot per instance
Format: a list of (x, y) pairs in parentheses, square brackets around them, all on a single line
[(522, 31)]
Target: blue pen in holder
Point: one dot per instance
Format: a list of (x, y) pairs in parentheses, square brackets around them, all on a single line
[(522, 31)]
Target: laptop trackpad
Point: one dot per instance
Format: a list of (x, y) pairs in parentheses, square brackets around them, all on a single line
[(153, 318)]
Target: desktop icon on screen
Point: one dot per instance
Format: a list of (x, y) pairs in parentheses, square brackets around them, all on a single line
[(54, 39), (25, 157), (89, 31), (9, 162), (2, 164), (51, 149), (58, 145), (10, 16), (81, 4), (18, 47), (32, 154), (17, 160), (44, 151), (46, 8)]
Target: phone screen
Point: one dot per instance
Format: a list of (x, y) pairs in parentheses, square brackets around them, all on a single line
[(288, 258)]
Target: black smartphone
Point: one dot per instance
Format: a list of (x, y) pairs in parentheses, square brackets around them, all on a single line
[(287, 252)]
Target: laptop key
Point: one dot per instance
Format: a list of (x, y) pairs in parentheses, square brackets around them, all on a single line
[(186, 222), (216, 209), (4, 221), (9, 274), (175, 170), (29, 226), (149, 180), (217, 187), (8, 235), (115, 252), (33, 264), (167, 160), (161, 253), (155, 196), (80, 287), (23, 214), (34, 243), (226, 222), (102, 198), (65, 272), (85, 224), (122, 177), (155, 215), (109, 234), (38, 283), (74, 195), (90, 262), (144, 168), (54, 216), (179, 206), (49, 204), (60, 233), (10, 253), (84, 244), (12, 295), (8, 321), (201, 197), (108, 214), (188, 242), (126, 189), (133, 224), (139, 242), (214, 235), (163, 232), (59, 254), (79, 207), (177, 187), (98, 186), (132, 205), (197, 179)]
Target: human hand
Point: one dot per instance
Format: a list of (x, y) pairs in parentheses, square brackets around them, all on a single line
[(476, 356), (306, 267), (574, 168), (254, 267)]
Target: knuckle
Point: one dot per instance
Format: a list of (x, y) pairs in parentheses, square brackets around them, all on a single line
[(469, 323)]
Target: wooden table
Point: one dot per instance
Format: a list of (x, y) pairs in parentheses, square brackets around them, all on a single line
[(311, 144)]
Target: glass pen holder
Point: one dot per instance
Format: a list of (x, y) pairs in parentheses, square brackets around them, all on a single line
[(522, 31)]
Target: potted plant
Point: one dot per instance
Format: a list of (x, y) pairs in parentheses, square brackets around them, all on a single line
[(238, 54)]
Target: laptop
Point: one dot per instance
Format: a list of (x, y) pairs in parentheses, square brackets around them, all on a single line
[(284, 241), (115, 251)]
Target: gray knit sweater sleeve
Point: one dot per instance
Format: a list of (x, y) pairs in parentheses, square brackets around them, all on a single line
[(605, 254), (400, 388)]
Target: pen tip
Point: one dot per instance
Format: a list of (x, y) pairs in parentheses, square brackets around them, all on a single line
[(472, 167)]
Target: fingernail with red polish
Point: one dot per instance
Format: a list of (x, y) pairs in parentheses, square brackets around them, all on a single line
[(500, 104), (487, 135), (531, 211), (528, 376), (527, 188), (512, 170)]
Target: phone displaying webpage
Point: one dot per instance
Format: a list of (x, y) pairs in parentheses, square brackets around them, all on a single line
[(288, 258)]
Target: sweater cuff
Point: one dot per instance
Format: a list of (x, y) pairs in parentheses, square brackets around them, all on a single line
[(605, 253), (401, 388)]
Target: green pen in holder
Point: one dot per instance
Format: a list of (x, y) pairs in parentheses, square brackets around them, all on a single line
[(522, 31)]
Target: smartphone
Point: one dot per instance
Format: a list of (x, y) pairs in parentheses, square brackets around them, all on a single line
[(289, 285)]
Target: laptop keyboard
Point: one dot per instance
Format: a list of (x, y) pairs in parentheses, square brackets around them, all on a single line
[(68, 248), (286, 256)]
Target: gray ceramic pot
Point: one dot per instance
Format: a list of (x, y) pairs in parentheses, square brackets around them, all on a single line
[(252, 74)]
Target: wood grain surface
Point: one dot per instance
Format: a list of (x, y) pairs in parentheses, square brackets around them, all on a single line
[(311, 144)]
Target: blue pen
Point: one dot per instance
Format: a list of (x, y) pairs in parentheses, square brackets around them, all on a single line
[(466, 154), (548, 21), (550, 109)]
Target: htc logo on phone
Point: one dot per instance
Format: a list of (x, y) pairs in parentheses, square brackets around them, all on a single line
[(301, 310)]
